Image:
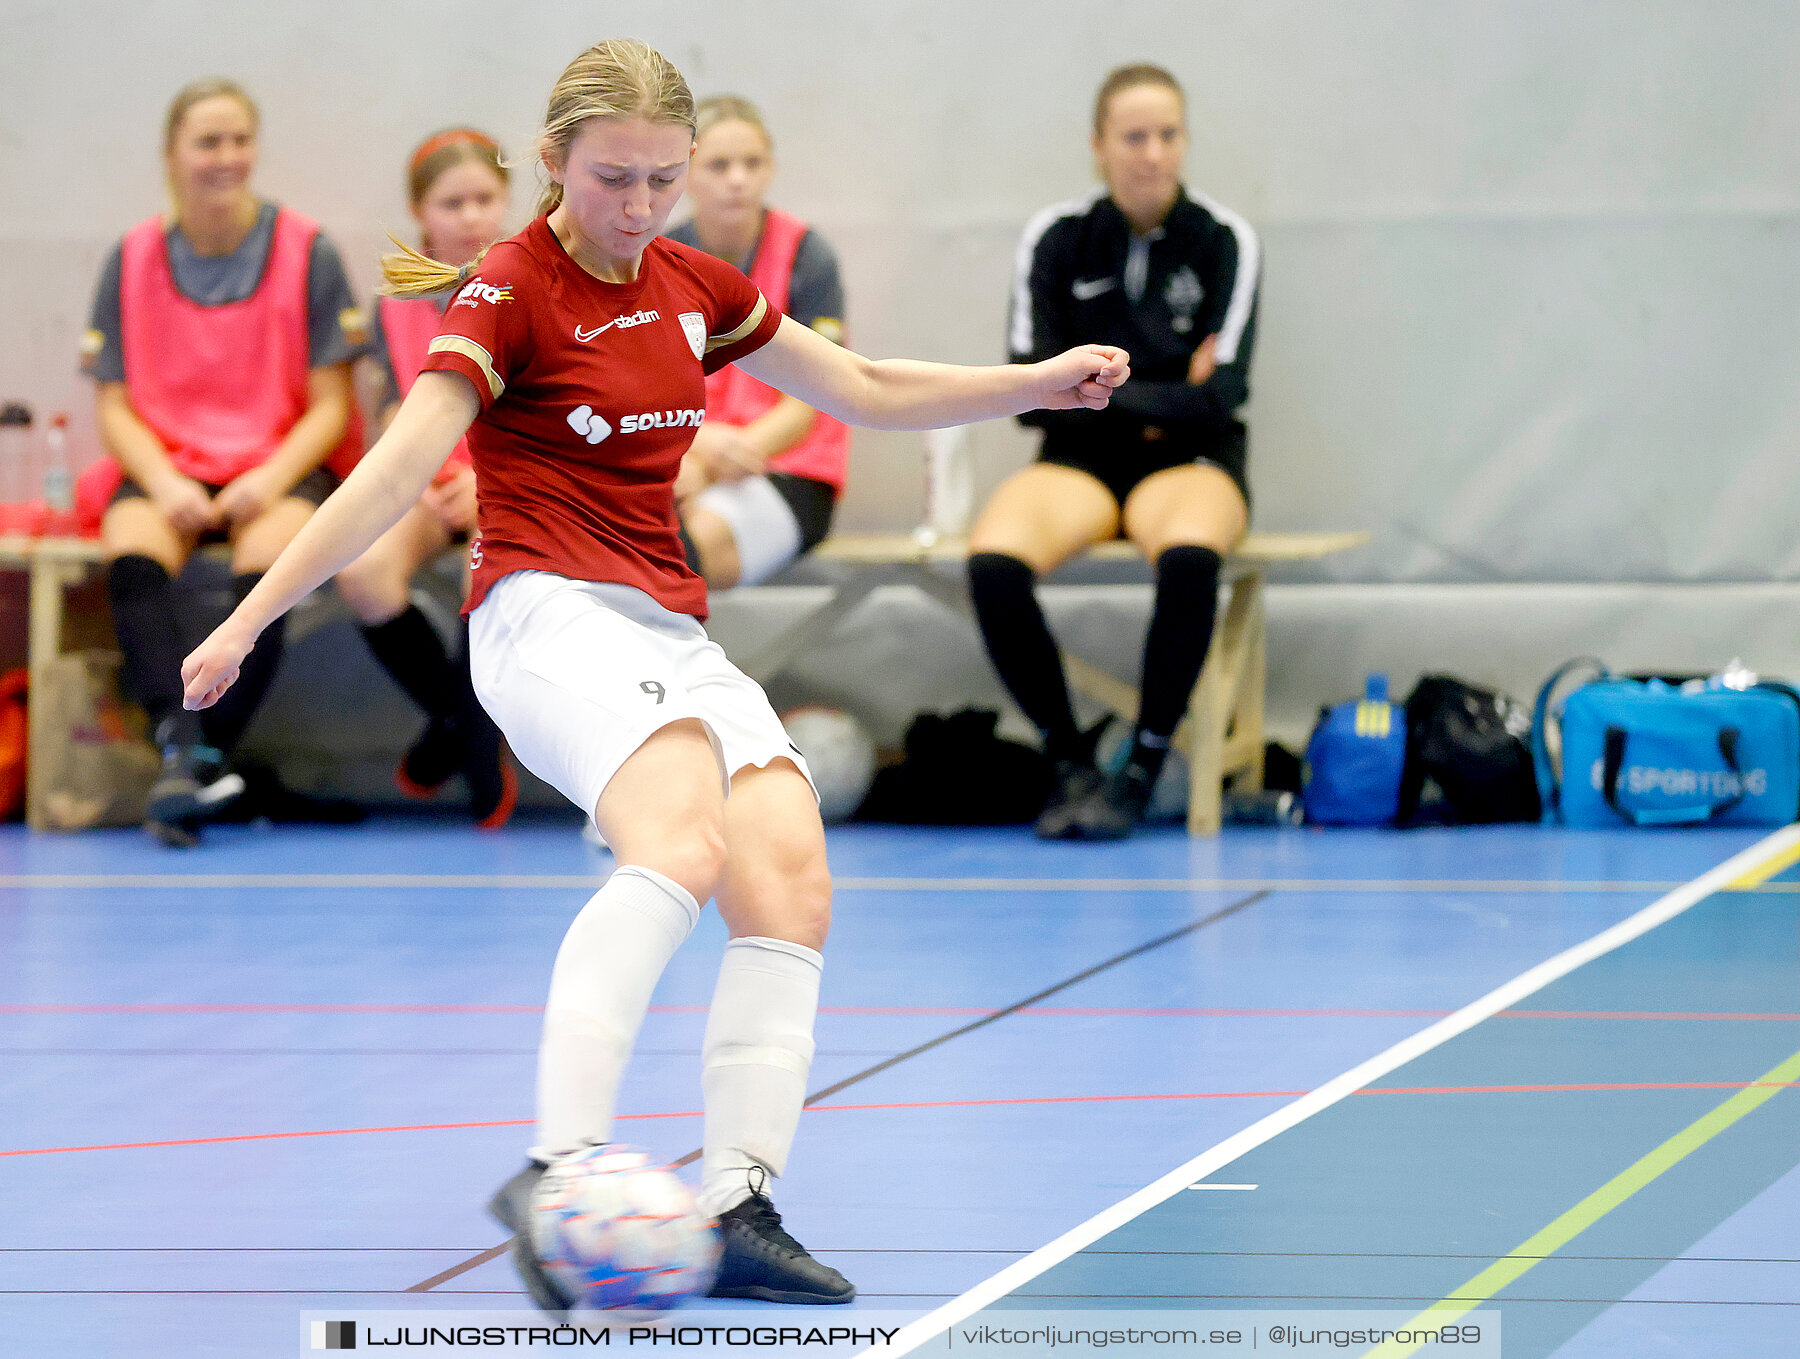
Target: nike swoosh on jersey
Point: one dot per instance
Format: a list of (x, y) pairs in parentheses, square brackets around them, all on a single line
[(585, 335), (1086, 289)]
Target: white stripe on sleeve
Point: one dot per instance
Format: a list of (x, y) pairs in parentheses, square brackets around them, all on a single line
[(1243, 287), (1021, 340)]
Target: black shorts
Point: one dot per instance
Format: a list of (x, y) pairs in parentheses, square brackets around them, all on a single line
[(1119, 459), (312, 488), (812, 503)]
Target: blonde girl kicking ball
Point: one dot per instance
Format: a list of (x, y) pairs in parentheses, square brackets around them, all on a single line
[(574, 360)]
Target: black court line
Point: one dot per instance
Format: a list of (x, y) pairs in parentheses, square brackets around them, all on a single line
[(1223, 913)]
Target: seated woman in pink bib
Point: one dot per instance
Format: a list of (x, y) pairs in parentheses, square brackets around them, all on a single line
[(458, 188), (759, 485), (221, 339)]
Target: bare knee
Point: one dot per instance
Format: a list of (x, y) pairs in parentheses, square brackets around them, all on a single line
[(692, 855), (809, 903), (373, 590), (781, 892), (719, 564)]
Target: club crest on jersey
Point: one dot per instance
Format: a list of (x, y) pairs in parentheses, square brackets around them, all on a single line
[(693, 325), (1183, 296)]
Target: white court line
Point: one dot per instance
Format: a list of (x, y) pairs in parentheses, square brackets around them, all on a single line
[(1503, 997), (562, 881)]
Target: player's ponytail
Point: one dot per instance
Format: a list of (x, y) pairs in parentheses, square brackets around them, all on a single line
[(410, 274), (618, 78)]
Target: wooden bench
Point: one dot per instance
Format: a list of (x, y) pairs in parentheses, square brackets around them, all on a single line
[(1222, 734), (51, 565)]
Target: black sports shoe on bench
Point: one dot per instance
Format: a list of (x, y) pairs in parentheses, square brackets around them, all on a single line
[(511, 1205), (762, 1261)]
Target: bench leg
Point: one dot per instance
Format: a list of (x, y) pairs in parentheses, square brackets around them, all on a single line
[(49, 579), (1225, 713)]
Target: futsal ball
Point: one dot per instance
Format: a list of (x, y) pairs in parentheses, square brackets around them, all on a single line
[(839, 753), (614, 1229)]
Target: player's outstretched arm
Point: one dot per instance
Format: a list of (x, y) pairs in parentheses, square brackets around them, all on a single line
[(908, 394), (386, 483)]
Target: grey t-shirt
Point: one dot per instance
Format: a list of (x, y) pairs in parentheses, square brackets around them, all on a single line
[(816, 291), (334, 323), (377, 350)]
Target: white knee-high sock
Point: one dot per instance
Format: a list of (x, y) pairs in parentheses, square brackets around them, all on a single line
[(755, 1059), (599, 990)]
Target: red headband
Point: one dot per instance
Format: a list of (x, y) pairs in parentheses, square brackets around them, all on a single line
[(456, 136)]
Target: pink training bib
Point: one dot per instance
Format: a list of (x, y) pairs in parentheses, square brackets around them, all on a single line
[(411, 324), (219, 386), (735, 397)]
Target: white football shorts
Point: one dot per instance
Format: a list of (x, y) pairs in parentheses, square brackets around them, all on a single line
[(761, 522), (578, 674)]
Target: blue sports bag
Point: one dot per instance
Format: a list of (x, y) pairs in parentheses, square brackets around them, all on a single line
[(1659, 752), (1355, 759)]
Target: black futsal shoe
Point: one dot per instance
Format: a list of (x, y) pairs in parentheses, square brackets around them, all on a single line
[(1072, 783), (493, 782), (511, 1205), (1112, 809), (174, 834), (433, 758), (192, 787), (760, 1260)]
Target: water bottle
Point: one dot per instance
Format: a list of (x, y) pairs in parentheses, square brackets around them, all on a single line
[(949, 485), (59, 478), (15, 466), (1737, 675)]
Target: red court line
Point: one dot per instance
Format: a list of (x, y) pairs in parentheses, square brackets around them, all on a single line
[(950, 1104), (1055, 1011), (1647, 1014)]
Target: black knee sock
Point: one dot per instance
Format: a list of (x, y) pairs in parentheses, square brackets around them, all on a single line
[(408, 647), (143, 612), (1019, 644), (1181, 628), (227, 719)]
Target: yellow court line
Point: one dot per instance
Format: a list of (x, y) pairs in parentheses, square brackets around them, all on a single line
[(1757, 876), (1639, 1175)]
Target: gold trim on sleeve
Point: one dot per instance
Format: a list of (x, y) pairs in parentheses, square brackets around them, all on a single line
[(751, 322), (475, 354)]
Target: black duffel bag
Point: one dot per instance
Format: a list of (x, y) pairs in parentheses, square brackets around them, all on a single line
[(1474, 745), (957, 772)]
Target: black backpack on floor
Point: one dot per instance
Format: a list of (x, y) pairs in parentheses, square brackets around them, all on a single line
[(957, 772), (1474, 745)]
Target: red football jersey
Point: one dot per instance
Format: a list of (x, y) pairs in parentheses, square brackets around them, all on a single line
[(590, 393)]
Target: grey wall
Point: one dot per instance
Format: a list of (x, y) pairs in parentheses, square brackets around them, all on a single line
[(1532, 300)]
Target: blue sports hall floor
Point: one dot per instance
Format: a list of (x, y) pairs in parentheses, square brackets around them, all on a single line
[(1539, 1071)]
